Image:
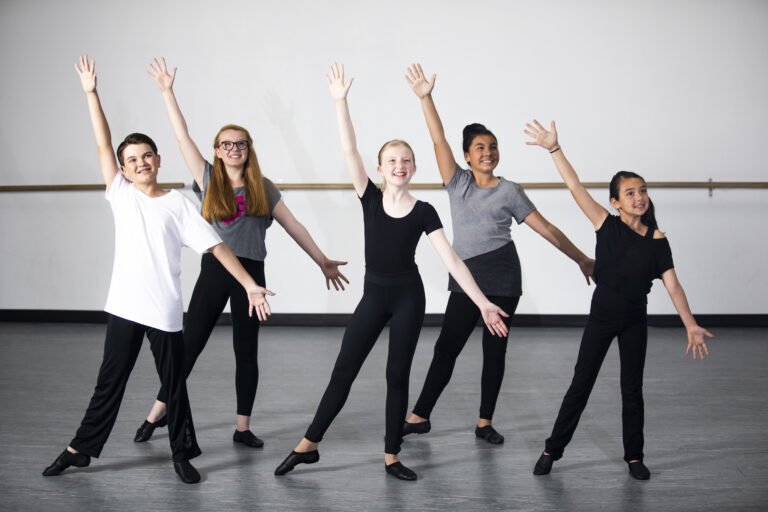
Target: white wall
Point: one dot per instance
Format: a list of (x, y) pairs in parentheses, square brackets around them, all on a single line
[(672, 90)]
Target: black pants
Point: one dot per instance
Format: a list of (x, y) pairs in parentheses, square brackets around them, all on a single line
[(121, 348), (461, 316), (602, 326), (213, 288), (402, 303)]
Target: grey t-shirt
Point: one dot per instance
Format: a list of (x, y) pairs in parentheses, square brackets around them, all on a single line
[(482, 218), (244, 234)]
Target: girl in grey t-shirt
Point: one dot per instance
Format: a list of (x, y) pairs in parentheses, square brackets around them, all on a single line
[(483, 207)]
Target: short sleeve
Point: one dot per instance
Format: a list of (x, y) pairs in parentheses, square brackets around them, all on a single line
[(196, 233), (430, 219), (371, 195), (663, 254), (520, 204), (117, 188), (273, 194), (460, 180)]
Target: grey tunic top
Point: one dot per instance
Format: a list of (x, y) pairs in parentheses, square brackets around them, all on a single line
[(482, 218), (244, 234)]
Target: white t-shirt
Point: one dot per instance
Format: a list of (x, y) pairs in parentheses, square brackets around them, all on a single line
[(149, 235)]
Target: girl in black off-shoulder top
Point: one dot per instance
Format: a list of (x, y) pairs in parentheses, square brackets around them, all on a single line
[(630, 253)]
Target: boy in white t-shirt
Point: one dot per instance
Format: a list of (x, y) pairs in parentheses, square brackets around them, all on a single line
[(151, 226)]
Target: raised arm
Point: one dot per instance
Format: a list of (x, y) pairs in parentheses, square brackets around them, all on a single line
[(109, 167), (423, 89), (352, 157), (491, 312), (158, 71), (301, 236), (553, 235), (257, 299), (548, 140), (696, 334)]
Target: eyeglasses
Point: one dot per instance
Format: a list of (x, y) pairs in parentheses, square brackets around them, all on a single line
[(228, 144)]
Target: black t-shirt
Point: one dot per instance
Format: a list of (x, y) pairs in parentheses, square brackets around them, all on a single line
[(626, 263), (390, 243)]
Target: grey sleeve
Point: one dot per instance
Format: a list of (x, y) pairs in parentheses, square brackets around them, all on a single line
[(459, 179), (520, 204), (200, 194), (273, 194)]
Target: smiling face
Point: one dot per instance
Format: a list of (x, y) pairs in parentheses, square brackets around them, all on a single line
[(483, 154), (396, 164), (632, 197), (140, 163), (227, 148)]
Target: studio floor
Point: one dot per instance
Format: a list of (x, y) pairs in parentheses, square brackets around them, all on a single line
[(705, 429)]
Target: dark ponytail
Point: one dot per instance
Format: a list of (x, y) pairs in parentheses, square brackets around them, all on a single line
[(649, 217), (471, 131)]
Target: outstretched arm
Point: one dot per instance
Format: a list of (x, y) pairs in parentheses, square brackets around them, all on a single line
[(158, 71), (491, 312), (257, 299), (301, 236), (548, 140), (423, 89), (696, 334), (539, 224), (87, 72), (352, 157)]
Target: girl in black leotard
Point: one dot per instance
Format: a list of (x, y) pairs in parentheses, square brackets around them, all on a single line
[(394, 221), (630, 253)]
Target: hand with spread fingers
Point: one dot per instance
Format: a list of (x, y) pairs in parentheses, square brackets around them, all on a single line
[(541, 136), (421, 87), (158, 71), (696, 341)]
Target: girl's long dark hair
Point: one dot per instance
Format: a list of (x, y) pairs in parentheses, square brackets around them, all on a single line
[(649, 217)]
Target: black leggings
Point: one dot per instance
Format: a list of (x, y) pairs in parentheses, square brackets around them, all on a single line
[(402, 303), (603, 325), (213, 288), (121, 348), (461, 316)]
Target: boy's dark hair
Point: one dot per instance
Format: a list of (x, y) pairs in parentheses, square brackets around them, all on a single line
[(471, 131), (134, 138)]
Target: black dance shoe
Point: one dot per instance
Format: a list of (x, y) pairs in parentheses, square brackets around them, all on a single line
[(145, 431), (639, 471), (248, 439), (399, 471), (66, 459), (489, 434), (416, 428), (297, 458), (186, 472), (543, 465)]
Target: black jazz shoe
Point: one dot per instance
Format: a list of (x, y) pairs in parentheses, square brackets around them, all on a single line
[(639, 471), (543, 465), (247, 438), (297, 458), (66, 459), (399, 471), (489, 434), (186, 472), (416, 428), (145, 431)]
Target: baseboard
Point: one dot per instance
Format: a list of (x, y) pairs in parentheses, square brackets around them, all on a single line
[(341, 319)]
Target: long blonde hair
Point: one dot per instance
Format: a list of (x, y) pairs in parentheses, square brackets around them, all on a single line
[(219, 204)]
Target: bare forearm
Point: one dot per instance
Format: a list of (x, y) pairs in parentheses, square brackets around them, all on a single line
[(178, 123), (680, 301), (99, 123), (463, 277), (230, 262)]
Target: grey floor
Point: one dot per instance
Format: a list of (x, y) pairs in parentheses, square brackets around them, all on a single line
[(706, 436)]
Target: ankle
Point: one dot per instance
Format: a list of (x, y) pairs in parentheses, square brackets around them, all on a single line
[(415, 418), (305, 446), (481, 422), (390, 458)]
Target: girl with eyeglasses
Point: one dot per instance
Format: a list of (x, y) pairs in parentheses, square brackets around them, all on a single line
[(240, 204)]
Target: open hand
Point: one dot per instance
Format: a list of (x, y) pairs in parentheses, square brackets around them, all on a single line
[(541, 136), (336, 82), (158, 71), (257, 300), (333, 275), (492, 317), (87, 73), (696, 341), (421, 87)]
